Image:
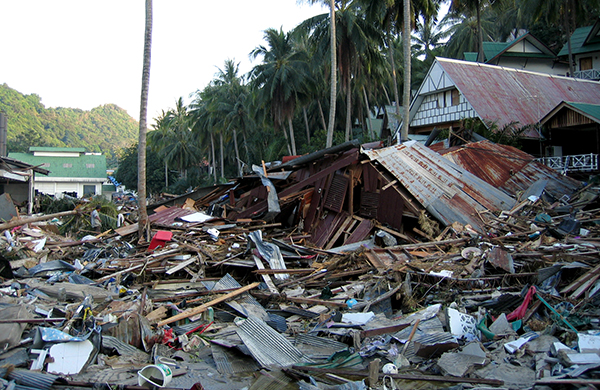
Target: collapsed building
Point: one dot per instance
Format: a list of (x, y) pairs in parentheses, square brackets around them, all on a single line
[(393, 266)]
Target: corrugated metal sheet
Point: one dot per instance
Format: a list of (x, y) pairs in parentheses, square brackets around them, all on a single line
[(509, 169), (35, 380), (505, 95), (266, 345), (449, 192)]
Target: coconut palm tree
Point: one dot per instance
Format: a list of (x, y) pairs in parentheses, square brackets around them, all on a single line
[(232, 107), (333, 68), (279, 78), (143, 224), (397, 16), (356, 41)]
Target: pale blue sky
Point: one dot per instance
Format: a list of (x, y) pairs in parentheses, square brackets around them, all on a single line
[(85, 53)]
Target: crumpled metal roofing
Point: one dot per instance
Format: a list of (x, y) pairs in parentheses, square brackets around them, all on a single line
[(506, 95), (509, 169), (449, 192)]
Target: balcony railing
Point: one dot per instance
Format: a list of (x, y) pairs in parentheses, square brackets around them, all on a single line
[(590, 74), (575, 163)]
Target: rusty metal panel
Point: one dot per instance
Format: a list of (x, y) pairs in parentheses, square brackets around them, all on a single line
[(336, 193), (167, 217), (508, 168), (447, 191), (505, 95)]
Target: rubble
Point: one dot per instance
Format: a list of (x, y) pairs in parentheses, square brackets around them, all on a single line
[(353, 267)]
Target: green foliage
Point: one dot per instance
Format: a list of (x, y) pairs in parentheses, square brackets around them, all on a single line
[(105, 129), (127, 172)]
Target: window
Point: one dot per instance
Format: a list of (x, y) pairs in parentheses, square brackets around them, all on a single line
[(67, 165), (90, 165), (455, 97), (89, 190), (585, 63)]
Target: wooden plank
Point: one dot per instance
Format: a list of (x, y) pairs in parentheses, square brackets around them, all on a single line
[(181, 265), (199, 309)]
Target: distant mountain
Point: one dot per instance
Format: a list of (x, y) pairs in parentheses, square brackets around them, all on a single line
[(105, 129)]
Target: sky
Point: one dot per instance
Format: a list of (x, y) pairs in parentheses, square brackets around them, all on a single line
[(87, 53)]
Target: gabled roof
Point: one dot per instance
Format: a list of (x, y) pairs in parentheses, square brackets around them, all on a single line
[(591, 111), (524, 46), (583, 40), (505, 95), (84, 166)]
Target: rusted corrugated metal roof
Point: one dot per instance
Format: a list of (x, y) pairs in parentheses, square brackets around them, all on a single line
[(504, 95), (508, 168), (450, 193), (168, 216)]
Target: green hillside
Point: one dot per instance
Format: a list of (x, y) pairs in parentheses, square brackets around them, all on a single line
[(105, 129)]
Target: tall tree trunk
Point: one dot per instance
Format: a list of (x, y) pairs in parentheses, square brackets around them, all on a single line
[(481, 55), (306, 124), (371, 130), (143, 222), (322, 115), (348, 108), (246, 147), (214, 157), (333, 94), (237, 154), (292, 138), (222, 154), (166, 174), (406, 47), (569, 10), (394, 80)]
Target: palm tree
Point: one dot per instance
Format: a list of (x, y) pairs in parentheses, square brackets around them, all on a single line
[(355, 38), (333, 69), (279, 78), (395, 16), (143, 225), (464, 31), (429, 36), (232, 106)]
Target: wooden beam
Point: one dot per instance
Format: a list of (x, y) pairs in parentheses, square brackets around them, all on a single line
[(199, 309)]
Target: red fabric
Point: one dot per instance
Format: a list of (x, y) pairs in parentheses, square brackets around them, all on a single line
[(520, 311)]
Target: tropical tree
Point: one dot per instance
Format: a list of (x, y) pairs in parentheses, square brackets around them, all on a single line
[(332, 67), (143, 224), (175, 141), (464, 31), (472, 7), (429, 36), (568, 13), (232, 107), (279, 79), (357, 41), (395, 16)]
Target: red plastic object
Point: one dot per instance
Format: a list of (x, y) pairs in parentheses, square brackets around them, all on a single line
[(160, 239)]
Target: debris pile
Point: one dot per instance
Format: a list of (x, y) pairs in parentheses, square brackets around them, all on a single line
[(351, 268)]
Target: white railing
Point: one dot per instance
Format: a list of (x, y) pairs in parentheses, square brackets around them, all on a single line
[(590, 74), (575, 163)]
